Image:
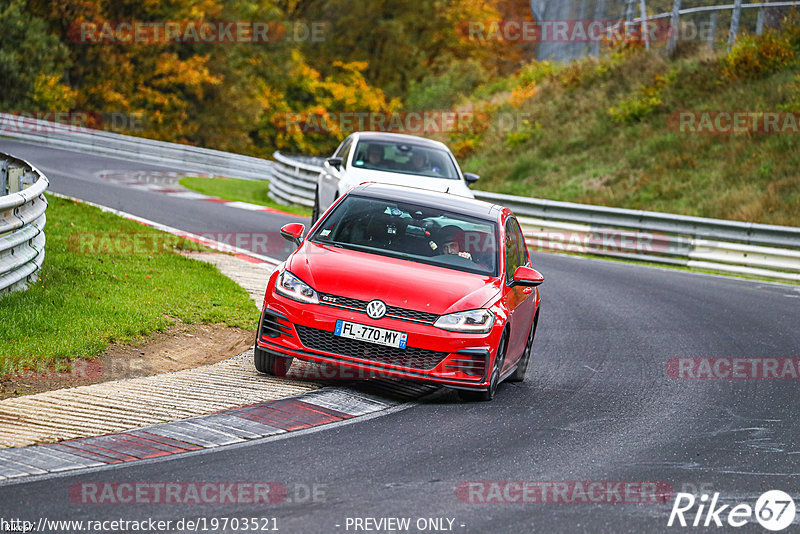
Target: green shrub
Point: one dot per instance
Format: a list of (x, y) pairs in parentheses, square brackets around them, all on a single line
[(754, 57), (645, 102)]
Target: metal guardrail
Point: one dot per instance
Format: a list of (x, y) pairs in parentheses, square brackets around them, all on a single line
[(714, 244), (22, 222), (294, 179), (86, 140)]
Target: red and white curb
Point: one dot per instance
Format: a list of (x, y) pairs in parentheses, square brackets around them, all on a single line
[(135, 181), (227, 427)]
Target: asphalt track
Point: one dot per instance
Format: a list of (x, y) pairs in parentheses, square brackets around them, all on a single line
[(598, 405)]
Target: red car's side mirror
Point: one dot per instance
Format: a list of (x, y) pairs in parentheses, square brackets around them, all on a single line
[(526, 276), (293, 232)]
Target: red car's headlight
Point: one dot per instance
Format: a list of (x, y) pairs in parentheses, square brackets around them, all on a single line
[(292, 287), (472, 321)]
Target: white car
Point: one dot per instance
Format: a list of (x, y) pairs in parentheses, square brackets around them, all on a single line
[(389, 158)]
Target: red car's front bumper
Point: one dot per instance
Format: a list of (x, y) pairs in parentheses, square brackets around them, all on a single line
[(306, 331)]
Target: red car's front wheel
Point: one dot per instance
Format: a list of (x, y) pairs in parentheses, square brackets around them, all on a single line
[(519, 373), (494, 379)]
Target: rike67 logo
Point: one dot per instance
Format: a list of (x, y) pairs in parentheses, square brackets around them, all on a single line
[(774, 510)]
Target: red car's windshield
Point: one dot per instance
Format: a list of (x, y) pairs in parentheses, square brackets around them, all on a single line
[(417, 233)]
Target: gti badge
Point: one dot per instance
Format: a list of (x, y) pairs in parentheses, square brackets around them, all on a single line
[(376, 309)]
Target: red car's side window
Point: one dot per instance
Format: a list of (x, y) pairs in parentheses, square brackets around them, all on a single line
[(516, 249), (522, 248), (512, 244)]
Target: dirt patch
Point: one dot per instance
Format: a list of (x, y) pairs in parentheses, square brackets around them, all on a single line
[(181, 347)]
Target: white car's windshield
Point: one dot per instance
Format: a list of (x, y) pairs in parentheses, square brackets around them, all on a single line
[(404, 158), (422, 234)]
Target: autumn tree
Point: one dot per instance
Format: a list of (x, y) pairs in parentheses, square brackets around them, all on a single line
[(32, 63)]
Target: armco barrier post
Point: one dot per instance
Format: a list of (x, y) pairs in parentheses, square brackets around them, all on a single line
[(4, 178)]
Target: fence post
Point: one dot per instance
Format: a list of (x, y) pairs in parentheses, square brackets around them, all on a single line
[(712, 30), (630, 9), (645, 28), (674, 21), (580, 48), (599, 15), (737, 13), (760, 22)]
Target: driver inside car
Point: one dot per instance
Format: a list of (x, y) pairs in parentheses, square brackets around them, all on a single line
[(452, 242), (375, 156)]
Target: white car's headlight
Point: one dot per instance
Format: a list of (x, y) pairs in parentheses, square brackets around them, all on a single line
[(292, 287), (473, 321)]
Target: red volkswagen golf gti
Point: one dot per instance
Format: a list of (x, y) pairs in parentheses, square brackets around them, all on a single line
[(405, 283)]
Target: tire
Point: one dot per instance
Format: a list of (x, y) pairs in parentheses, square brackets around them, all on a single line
[(315, 209), (270, 364), (519, 373), (472, 395)]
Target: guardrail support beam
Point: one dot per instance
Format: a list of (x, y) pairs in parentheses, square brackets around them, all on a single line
[(4, 179)]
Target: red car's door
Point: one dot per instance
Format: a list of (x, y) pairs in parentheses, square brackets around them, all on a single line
[(520, 301)]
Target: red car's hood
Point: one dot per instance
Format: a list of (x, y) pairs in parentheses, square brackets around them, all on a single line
[(396, 282)]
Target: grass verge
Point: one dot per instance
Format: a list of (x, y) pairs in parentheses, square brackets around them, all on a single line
[(85, 301), (234, 189)]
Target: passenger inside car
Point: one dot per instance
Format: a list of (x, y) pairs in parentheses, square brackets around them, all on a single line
[(418, 162)]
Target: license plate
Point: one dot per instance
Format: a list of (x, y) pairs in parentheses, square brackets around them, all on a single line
[(371, 334)]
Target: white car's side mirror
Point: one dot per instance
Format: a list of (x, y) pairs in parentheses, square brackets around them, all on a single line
[(335, 163)]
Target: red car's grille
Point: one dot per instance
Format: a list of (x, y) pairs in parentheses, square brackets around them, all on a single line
[(409, 357), (403, 313)]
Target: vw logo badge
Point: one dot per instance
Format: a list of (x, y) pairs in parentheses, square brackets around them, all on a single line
[(376, 309)]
